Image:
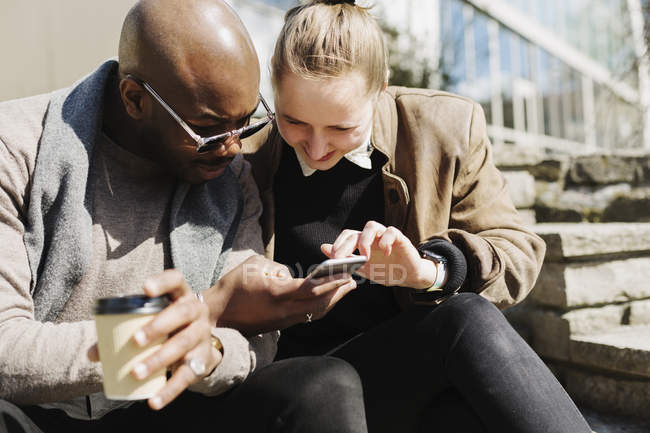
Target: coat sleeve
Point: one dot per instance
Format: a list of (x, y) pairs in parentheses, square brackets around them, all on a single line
[(39, 362), (504, 256)]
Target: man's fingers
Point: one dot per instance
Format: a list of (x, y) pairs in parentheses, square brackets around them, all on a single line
[(319, 306), (312, 288), (93, 353), (173, 349), (184, 376), (180, 380), (169, 282), (341, 292), (169, 320)]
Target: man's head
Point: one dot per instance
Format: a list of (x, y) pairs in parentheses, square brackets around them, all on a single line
[(200, 60)]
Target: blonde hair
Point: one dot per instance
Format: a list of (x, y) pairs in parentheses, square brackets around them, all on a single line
[(325, 39)]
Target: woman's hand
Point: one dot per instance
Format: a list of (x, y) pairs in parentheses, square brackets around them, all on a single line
[(392, 259)]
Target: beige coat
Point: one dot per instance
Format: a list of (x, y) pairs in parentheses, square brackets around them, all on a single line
[(439, 182)]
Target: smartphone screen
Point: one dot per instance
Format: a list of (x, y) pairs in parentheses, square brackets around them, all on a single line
[(347, 265)]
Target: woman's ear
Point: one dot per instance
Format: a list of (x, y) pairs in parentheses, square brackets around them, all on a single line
[(383, 88), (132, 95)]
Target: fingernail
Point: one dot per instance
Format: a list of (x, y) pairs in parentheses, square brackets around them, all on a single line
[(140, 370), (140, 337), (156, 402), (151, 285)]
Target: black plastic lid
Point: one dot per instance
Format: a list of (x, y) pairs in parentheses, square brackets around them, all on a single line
[(139, 304)]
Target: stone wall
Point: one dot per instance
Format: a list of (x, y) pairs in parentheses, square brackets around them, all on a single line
[(573, 187)]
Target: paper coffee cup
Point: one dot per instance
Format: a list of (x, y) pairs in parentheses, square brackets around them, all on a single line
[(116, 320)]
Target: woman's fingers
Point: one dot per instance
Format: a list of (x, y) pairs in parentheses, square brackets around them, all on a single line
[(387, 239), (370, 232), (345, 244), (327, 249)]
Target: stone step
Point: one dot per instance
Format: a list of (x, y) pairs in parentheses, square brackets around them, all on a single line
[(580, 241), (561, 336), (610, 371), (611, 203), (601, 169), (602, 422), (624, 350), (605, 393), (591, 283)]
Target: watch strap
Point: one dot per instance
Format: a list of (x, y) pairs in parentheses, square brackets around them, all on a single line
[(441, 270), (455, 265)]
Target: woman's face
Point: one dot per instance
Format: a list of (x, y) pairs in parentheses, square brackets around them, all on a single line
[(324, 119)]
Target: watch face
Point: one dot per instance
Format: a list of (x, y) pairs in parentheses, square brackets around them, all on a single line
[(433, 256)]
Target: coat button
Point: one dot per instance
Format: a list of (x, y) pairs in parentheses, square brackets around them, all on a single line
[(393, 196)]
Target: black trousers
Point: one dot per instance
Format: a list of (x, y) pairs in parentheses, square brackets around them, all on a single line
[(299, 395), (459, 367)]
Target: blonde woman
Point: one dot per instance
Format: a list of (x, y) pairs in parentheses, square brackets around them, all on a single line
[(404, 177)]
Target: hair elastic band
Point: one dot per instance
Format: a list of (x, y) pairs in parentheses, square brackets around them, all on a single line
[(338, 2)]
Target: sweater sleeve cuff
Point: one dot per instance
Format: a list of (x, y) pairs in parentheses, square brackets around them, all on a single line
[(456, 268), (240, 358)]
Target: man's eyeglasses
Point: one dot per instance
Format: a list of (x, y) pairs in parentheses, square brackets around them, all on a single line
[(204, 144)]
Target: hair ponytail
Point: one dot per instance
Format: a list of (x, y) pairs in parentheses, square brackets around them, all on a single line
[(328, 38)]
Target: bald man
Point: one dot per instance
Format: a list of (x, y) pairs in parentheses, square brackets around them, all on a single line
[(131, 181)]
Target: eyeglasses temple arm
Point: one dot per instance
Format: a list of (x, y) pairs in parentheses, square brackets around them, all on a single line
[(176, 117), (270, 113)]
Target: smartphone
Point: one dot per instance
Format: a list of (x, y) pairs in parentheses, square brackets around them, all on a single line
[(347, 265)]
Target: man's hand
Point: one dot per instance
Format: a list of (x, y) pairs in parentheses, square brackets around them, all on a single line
[(186, 321), (265, 297), (392, 259)]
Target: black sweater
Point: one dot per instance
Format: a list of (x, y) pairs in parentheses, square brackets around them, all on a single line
[(313, 210)]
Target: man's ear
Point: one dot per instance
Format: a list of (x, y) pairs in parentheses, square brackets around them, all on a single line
[(132, 95)]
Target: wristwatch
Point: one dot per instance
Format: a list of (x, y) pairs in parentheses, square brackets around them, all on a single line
[(436, 293), (441, 269)]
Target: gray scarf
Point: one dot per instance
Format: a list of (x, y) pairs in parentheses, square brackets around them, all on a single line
[(58, 234)]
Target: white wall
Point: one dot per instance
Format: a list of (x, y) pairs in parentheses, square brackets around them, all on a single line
[(49, 44), (264, 23)]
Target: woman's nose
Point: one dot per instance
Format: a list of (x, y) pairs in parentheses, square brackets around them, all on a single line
[(316, 147)]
